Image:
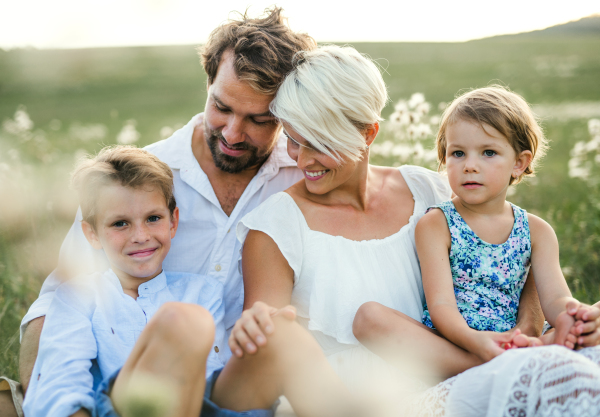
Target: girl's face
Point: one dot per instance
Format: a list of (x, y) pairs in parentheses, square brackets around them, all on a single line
[(481, 162), (322, 173)]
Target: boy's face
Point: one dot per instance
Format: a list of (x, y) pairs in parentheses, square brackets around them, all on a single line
[(135, 228)]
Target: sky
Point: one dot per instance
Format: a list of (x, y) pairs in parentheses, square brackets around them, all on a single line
[(95, 23)]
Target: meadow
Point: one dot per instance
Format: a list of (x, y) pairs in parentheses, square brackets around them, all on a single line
[(56, 105)]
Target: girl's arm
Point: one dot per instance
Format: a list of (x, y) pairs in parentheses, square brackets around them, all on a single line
[(268, 283), (550, 282), (433, 243)]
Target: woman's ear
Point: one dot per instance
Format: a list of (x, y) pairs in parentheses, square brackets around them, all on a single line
[(522, 162), (371, 133), (90, 235)]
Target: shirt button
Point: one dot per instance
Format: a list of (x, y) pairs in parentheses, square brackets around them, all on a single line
[(217, 267), (217, 349)]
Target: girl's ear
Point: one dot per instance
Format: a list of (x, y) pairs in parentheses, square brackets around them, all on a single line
[(522, 162), (90, 235)]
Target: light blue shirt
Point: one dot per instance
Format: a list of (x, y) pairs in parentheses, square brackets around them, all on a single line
[(91, 327)]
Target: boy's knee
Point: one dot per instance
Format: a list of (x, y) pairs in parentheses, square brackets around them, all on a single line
[(183, 323), (368, 317)]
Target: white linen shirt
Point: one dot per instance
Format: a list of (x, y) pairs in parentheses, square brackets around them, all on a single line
[(92, 325), (205, 243)]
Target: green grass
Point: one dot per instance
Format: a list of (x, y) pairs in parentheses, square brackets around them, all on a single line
[(165, 86)]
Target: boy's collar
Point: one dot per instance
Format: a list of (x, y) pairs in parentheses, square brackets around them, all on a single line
[(149, 287)]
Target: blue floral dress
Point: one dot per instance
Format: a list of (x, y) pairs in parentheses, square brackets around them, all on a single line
[(488, 279)]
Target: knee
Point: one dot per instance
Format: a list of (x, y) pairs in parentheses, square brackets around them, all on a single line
[(368, 319), (182, 323)]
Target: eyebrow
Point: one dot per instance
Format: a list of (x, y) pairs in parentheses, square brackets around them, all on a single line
[(264, 114)]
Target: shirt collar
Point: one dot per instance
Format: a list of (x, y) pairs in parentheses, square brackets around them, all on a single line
[(178, 152), (154, 285)]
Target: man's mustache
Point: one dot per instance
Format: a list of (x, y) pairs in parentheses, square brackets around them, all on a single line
[(238, 146)]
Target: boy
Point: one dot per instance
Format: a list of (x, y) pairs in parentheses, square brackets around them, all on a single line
[(129, 211)]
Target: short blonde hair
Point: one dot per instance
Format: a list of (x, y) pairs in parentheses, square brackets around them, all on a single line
[(124, 165), (330, 97), (505, 111)]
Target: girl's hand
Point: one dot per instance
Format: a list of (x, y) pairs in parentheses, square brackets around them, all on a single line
[(491, 344), (253, 327)]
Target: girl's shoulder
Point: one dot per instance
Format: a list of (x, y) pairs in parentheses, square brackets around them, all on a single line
[(539, 228)]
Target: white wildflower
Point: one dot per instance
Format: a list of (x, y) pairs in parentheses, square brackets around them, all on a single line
[(55, 124), (128, 133), (434, 120), (442, 106), (423, 108), (401, 106), (88, 133), (20, 125), (594, 127), (415, 100), (166, 132)]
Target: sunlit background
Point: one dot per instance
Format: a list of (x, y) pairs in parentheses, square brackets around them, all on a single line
[(76, 75), (94, 23)]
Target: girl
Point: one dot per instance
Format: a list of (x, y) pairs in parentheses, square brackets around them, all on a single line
[(476, 249)]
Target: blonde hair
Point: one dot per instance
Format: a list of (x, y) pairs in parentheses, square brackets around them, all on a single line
[(124, 165), (505, 111), (330, 97)]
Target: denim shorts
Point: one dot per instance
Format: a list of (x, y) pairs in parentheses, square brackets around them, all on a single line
[(104, 407)]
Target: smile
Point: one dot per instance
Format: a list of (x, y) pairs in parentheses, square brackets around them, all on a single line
[(228, 150), (142, 253), (315, 175)]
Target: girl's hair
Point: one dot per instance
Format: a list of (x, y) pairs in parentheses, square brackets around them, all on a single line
[(505, 111), (330, 97), (124, 165)]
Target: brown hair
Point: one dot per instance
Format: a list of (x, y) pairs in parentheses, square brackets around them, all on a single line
[(505, 111), (263, 49), (125, 165)]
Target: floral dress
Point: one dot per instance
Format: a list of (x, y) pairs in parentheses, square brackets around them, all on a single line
[(488, 279)]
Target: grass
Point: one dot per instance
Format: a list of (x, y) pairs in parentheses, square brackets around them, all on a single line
[(165, 86)]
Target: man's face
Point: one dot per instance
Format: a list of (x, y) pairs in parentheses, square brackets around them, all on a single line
[(239, 129)]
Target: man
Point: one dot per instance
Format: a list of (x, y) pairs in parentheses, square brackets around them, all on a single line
[(225, 161)]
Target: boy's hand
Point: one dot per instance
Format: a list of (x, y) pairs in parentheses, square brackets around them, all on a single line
[(250, 331), (587, 325)]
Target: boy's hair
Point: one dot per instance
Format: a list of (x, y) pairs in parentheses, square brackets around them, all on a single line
[(263, 49), (505, 111), (124, 165)]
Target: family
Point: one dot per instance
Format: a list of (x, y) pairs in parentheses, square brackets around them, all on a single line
[(257, 254)]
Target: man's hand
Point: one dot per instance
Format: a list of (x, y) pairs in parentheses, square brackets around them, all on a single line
[(251, 330)]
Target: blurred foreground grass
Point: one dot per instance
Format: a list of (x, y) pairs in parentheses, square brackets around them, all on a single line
[(81, 100)]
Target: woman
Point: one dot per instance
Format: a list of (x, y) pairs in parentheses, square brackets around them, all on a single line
[(344, 235)]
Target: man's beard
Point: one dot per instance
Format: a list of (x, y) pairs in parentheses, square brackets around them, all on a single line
[(233, 164)]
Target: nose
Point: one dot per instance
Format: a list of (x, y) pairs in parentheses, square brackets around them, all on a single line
[(305, 157), (140, 234), (233, 131), (471, 165)]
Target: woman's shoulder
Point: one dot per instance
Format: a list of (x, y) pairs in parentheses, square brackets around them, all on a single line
[(276, 215)]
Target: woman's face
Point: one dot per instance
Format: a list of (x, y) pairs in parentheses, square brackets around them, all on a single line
[(322, 173)]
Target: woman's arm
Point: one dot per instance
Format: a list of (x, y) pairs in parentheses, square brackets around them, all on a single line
[(530, 317), (433, 243), (268, 283)]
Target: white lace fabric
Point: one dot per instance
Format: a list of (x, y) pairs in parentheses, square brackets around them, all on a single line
[(549, 381)]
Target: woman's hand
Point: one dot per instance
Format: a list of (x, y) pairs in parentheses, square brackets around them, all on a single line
[(587, 325), (252, 328)]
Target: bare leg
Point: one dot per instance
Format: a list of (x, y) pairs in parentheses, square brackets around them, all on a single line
[(290, 364), (29, 350), (7, 408), (171, 350), (408, 343)]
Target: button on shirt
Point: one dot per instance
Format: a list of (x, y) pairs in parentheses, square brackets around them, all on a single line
[(91, 328), (204, 244)]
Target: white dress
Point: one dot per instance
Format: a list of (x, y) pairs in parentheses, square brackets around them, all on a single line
[(334, 276)]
